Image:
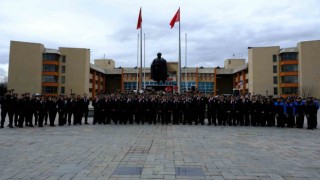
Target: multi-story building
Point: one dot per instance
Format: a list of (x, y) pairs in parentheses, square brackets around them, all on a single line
[(285, 71), (269, 71)]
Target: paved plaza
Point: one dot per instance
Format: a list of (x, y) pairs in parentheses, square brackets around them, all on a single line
[(159, 152)]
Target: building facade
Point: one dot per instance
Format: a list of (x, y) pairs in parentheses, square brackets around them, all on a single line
[(270, 71), (285, 71)]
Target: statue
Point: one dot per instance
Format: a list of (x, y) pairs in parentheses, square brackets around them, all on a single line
[(159, 69)]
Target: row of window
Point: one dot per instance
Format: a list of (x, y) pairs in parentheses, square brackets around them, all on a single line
[(285, 57), (53, 57), (52, 90), (286, 68), (286, 90), (53, 79), (53, 68), (286, 79)]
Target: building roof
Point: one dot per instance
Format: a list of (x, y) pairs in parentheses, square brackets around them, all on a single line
[(51, 51), (289, 50), (240, 68), (92, 66)]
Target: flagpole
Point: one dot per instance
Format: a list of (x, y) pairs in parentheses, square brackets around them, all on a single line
[(186, 70), (179, 63), (140, 71), (144, 60), (137, 61)]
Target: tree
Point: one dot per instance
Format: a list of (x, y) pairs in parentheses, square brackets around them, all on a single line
[(3, 85), (307, 90)]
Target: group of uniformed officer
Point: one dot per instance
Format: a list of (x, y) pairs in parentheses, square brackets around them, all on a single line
[(153, 108), (23, 110)]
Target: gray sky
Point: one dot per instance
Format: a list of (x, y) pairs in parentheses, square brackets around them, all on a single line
[(216, 29)]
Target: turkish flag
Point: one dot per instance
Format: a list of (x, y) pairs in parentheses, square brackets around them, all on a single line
[(139, 20), (176, 18)]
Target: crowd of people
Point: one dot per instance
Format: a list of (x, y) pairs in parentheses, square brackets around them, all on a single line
[(159, 107)]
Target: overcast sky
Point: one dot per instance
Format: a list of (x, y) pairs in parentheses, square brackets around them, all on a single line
[(217, 30)]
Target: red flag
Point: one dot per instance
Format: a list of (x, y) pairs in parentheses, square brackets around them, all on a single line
[(176, 18), (139, 20)]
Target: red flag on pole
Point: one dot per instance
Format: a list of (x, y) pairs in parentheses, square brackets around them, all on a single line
[(139, 20), (176, 18)]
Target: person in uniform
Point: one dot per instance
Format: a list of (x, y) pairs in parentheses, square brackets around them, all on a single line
[(85, 109), (246, 109), (299, 106), (279, 111), (51, 106), (311, 112), (269, 112), (42, 110), (62, 107), (70, 109), (95, 105), (7, 108), (289, 113), (27, 106), (16, 109)]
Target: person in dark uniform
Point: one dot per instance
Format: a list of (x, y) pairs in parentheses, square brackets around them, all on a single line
[(16, 109), (28, 109), (279, 112), (201, 108), (130, 109), (211, 106), (299, 106), (42, 110), (311, 111), (269, 113), (122, 110), (176, 110), (153, 110), (220, 110), (96, 114), (246, 109), (255, 111), (35, 112), (7, 108), (51, 106), (78, 110), (140, 110), (61, 110), (262, 118), (289, 113), (21, 111), (85, 108), (70, 109)]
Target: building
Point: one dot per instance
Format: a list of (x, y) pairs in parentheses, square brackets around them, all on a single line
[(36, 69), (285, 71), (270, 71)]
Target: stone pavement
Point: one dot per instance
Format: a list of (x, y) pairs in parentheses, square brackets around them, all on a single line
[(159, 152)]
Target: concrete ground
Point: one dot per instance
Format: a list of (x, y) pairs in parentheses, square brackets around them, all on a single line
[(159, 152)]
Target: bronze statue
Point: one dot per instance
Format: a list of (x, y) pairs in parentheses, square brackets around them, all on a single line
[(159, 69)]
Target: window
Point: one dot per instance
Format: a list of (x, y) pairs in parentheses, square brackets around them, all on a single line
[(275, 79), (289, 90), (63, 69), (90, 89), (275, 91), (289, 68), (50, 57), (63, 59), (49, 90), (288, 56), (108, 62), (63, 79), (274, 58), (90, 81), (62, 90), (50, 68), (229, 61), (289, 79), (205, 87), (50, 79), (275, 70)]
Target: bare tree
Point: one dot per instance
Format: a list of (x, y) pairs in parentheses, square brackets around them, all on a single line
[(3, 85), (307, 90)]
